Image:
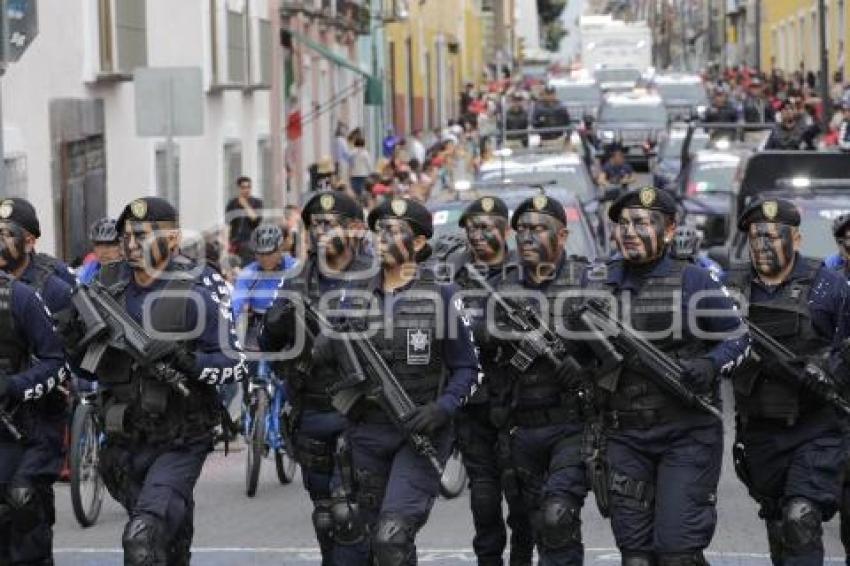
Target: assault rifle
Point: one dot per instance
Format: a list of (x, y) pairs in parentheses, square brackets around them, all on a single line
[(386, 386), (794, 370), (112, 335), (614, 335), (537, 341)]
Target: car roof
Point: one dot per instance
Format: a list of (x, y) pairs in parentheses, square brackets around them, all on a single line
[(677, 79), (633, 99), (766, 171), (532, 161), (714, 156), (572, 82)]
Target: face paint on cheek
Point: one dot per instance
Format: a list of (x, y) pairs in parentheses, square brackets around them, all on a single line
[(493, 240)]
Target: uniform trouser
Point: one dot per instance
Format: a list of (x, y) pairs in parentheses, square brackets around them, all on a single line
[(393, 482), (553, 483), (27, 514), (663, 486), (28, 470), (478, 440), (315, 443), (156, 484), (844, 504), (791, 466)]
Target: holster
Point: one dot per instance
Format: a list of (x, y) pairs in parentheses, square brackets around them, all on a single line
[(113, 418), (594, 450), (348, 479), (745, 376), (508, 471)]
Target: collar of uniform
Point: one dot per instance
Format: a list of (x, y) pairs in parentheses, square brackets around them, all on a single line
[(529, 284), (625, 278)]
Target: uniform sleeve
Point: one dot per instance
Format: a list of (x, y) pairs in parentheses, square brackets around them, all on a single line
[(48, 367), (717, 319), (65, 273), (219, 357), (459, 355)]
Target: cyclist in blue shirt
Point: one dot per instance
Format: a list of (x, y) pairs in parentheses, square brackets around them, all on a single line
[(686, 246), (106, 248), (255, 287)]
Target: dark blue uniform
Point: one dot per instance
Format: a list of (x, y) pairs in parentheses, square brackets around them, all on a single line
[(397, 486), (31, 365), (152, 462), (316, 424), (55, 290), (664, 458), (486, 447), (794, 451)]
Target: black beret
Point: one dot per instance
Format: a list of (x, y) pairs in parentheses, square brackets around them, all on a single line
[(648, 198), (410, 210), (22, 213), (331, 202), (147, 209), (489, 206), (542, 204), (779, 210)]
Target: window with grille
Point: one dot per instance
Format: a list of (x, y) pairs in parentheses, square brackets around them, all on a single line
[(237, 47)]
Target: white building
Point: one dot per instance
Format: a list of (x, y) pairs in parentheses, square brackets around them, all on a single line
[(69, 118)]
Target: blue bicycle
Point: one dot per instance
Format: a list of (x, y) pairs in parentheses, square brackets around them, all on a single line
[(262, 428), (87, 438)]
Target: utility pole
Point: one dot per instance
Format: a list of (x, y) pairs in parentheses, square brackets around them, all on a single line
[(824, 65), (758, 36)]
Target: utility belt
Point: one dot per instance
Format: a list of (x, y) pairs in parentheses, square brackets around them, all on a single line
[(536, 418), (753, 419), (645, 418)]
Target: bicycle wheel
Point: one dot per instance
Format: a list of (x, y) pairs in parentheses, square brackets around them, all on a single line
[(454, 476), (256, 441), (285, 465), (86, 483)]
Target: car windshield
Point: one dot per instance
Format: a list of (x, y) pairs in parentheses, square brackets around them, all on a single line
[(673, 146), (654, 114), (571, 177), (692, 92), (817, 241), (573, 94), (578, 242), (712, 178), (617, 75)]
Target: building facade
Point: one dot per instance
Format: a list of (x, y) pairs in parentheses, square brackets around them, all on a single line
[(69, 111), (790, 31)]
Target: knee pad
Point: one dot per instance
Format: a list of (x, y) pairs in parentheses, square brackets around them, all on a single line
[(682, 559), (560, 520), (347, 523), (636, 558), (394, 542), (801, 526), (370, 490), (144, 542), (322, 518), (25, 511)]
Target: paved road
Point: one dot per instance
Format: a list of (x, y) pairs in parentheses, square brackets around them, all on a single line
[(274, 527)]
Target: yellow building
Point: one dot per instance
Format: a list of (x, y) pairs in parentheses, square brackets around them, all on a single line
[(790, 35), (430, 55)]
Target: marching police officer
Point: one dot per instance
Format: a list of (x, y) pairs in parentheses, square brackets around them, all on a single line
[(838, 261), (159, 417), (39, 271), (486, 452), (792, 450), (546, 421), (23, 213), (655, 442), (416, 327), (335, 227), (31, 366)]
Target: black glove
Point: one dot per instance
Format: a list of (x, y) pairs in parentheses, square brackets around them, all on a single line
[(427, 419), (184, 362), (699, 374), (69, 328), (568, 373), (818, 378), (278, 330)]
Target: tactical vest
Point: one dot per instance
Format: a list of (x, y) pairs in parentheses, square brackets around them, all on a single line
[(43, 267), (312, 380), (787, 319), (653, 311), (13, 352), (537, 387), (136, 407), (410, 338)]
